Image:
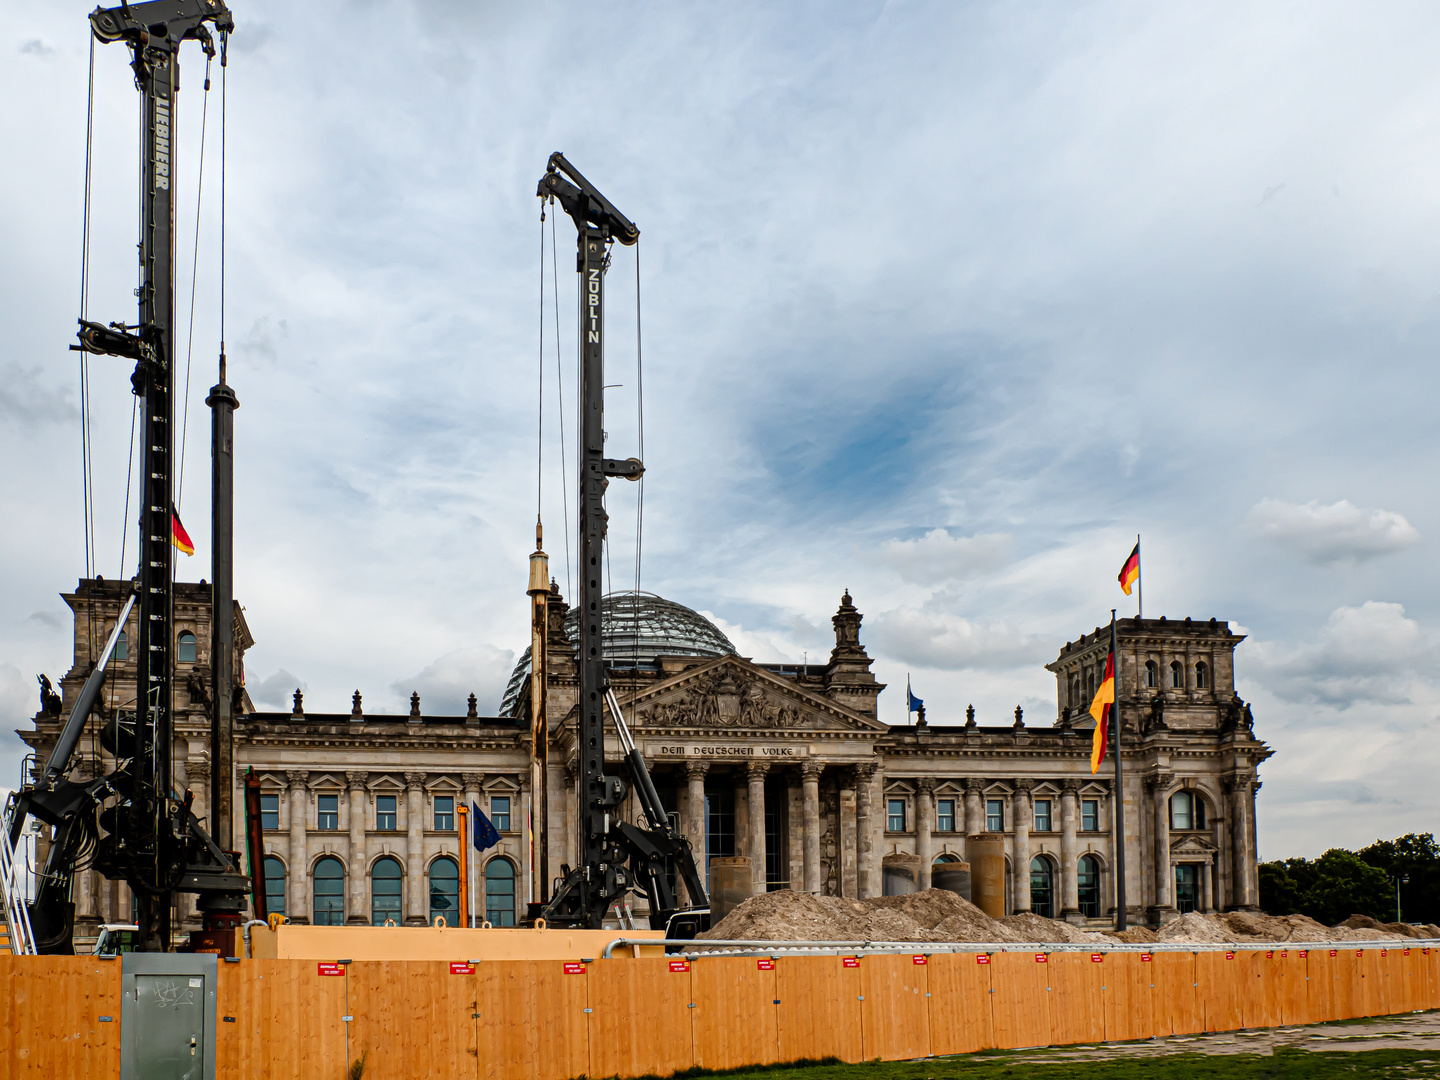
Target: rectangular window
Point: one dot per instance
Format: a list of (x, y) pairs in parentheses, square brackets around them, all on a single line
[(994, 815), (385, 813), (945, 815), (500, 812), (1089, 815), (444, 813), (329, 815), (895, 816), (270, 811), (1042, 815)]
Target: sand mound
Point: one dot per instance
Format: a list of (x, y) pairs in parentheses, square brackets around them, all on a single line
[(1195, 929), (1031, 927), (1137, 935)]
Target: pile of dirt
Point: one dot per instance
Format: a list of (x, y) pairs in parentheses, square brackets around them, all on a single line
[(1248, 927)]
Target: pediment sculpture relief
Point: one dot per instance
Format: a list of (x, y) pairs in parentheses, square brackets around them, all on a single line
[(717, 699)]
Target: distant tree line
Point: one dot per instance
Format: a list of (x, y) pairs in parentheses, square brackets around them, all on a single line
[(1342, 883)]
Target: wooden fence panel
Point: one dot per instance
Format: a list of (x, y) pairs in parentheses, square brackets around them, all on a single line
[(1077, 1011), (1257, 987), (734, 1022), (640, 1017), (302, 1034), (819, 1011), (1346, 987), (50, 1012), (895, 1015), (414, 1018), (508, 1039), (1178, 1009), (1128, 994), (1320, 985), (1375, 982), (1294, 987), (239, 1050), (561, 1046), (959, 1004), (1219, 976), (1430, 983), (1020, 1007), (1422, 977)]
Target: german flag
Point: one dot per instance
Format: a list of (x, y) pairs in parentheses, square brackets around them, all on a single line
[(1100, 710), (178, 536), (1131, 570)]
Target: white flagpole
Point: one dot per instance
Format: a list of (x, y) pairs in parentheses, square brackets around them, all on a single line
[(1140, 578)]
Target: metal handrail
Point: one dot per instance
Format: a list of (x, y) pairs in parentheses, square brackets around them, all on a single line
[(17, 914), (696, 947)]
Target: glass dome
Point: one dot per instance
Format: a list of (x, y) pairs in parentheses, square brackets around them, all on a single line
[(635, 629)]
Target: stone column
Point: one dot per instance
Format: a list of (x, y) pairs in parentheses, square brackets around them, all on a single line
[(297, 895), (1020, 845), (696, 827), (1241, 856), (1206, 902), (572, 808), (925, 828), (810, 787), (865, 831), (472, 782), (356, 872), (795, 821), (974, 807), (197, 782), (1158, 786), (755, 775), (417, 908), (1069, 857)]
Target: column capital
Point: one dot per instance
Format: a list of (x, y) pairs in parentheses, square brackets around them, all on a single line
[(297, 778), (355, 779), (864, 772), (472, 780), (811, 769), (1024, 785), (756, 770), (196, 771), (414, 781), (974, 785), (1070, 786), (696, 770), (925, 785), (1157, 782)]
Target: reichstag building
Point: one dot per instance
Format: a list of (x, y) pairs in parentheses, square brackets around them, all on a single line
[(786, 764)]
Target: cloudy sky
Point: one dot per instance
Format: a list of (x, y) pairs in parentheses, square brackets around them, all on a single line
[(943, 303)]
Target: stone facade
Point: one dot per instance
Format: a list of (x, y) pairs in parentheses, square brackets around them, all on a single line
[(785, 764)]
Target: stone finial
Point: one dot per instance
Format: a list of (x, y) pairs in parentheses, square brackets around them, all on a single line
[(470, 707), (969, 715), (415, 707), (847, 624), (355, 710), (1019, 717), (299, 709)]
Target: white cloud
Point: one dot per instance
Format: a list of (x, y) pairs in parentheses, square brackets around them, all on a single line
[(1327, 534), (275, 689), (937, 556), (950, 642), (445, 685), (1372, 653)]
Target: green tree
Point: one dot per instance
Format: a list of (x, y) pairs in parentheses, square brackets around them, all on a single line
[(1416, 857), (1346, 885), (1284, 884)]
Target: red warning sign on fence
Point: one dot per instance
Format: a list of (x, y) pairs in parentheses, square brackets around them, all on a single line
[(1269, 954), (1407, 952), (1097, 958), (765, 965), (1145, 958), (461, 967), (1229, 956), (1332, 952), (917, 959), (1359, 952), (851, 961), (1303, 953), (1382, 952), (574, 969), (679, 965), (1041, 958), (330, 969), (983, 958)]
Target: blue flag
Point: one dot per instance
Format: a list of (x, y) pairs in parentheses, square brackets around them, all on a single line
[(912, 703), (485, 834)]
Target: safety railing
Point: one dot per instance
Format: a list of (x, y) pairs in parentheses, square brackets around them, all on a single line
[(12, 894)]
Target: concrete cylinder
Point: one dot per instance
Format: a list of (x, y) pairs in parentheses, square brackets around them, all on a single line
[(952, 877), (729, 884), (986, 852), (901, 874)]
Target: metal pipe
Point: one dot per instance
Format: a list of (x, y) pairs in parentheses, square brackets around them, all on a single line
[(223, 403), (59, 762)]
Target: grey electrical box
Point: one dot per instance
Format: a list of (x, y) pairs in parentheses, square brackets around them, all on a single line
[(167, 1016)]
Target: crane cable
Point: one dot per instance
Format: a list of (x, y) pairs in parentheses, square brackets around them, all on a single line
[(194, 274), (86, 456), (560, 400)]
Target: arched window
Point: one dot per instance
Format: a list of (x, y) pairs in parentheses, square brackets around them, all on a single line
[(1088, 879), (445, 891), (1042, 897), (122, 647), (500, 893), (1152, 674), (946, 857), (1187, 811), (329, 892), (185, 648), (274, 886), (1177, 675), (385, 879), (1090, 685), (1202, 676)]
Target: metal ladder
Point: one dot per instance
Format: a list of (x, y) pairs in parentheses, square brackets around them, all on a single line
[(19, 938)]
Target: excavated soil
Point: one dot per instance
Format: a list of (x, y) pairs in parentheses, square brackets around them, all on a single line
[(937, 915)]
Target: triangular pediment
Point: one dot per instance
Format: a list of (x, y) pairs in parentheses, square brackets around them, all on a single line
[(1192, 845), (731, 693)]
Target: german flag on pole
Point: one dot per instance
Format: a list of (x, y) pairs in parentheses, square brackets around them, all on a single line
[(1131, 570), (1100, 710), (178, 536)]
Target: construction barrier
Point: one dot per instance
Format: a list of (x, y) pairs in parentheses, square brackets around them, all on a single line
[(551, 1019)]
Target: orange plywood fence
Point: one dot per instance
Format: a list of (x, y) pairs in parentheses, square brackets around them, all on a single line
[(1219, 977), (1294, 985), (1412, 981), (508, 1035), (1178, 1008), (1319, 985), (639, 1016), (895, 1012), (1347, 993), (1128, 994), (1072, 989), (561, 1044), (415, 1018), (960, 1003), (1258, 987), (735, 1020), (819, 1011), (1375, 982), (1020, 1005), (301, 1011), (239, 1046), (1422, 961), (50, 1008)]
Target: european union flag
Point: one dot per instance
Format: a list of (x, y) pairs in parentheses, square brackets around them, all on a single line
[(912, 703), (485, 835)]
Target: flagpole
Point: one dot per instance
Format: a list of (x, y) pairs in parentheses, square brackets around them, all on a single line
[(1119, 785), (462, 814), (1140, 579)]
